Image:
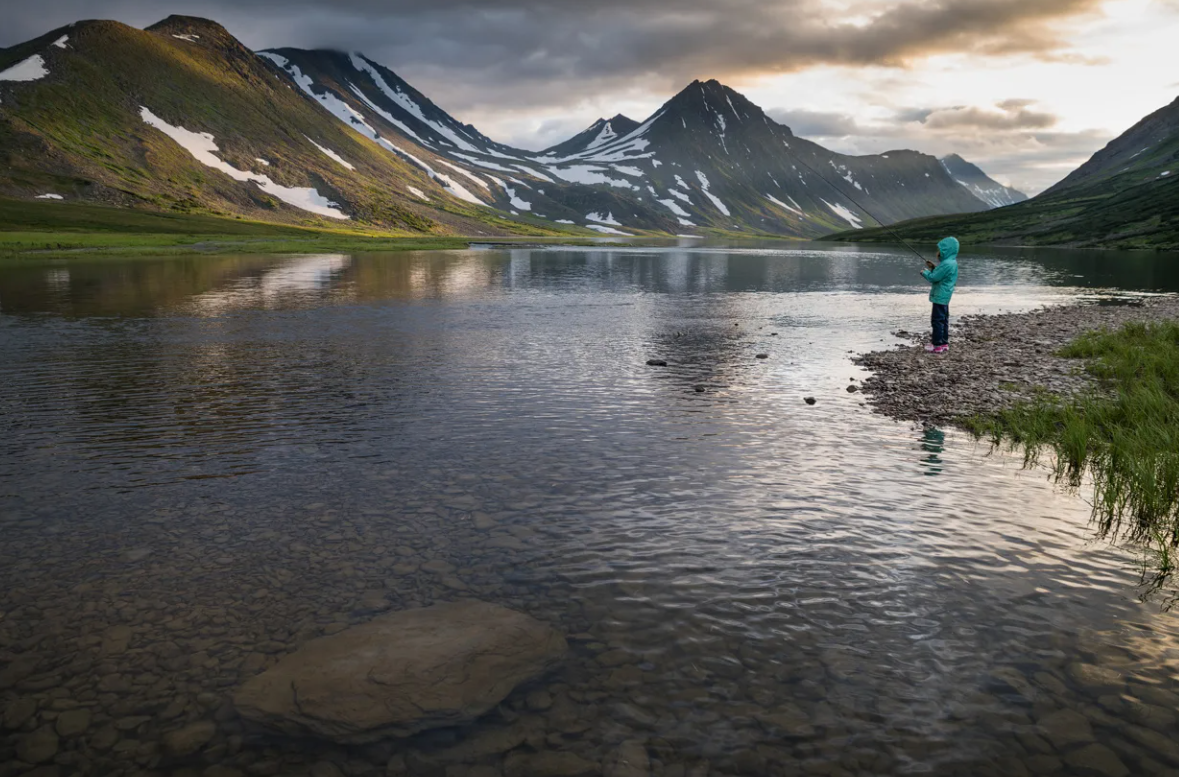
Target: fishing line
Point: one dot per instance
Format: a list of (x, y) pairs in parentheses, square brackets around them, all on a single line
[(822, 178)]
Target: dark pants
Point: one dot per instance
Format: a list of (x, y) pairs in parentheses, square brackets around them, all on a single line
[(940, 320)]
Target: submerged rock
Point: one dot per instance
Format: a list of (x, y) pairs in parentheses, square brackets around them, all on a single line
[(656, 363), (402, 673), (809, 400)]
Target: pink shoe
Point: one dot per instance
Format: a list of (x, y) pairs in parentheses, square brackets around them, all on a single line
[(941, 349), (929, 347)]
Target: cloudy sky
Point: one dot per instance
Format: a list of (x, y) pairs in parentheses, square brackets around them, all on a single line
[(1027, 89)]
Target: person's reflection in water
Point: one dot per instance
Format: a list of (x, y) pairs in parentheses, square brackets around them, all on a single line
[(933, 441)]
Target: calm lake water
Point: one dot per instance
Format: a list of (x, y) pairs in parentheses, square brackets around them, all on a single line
[(204, 462)]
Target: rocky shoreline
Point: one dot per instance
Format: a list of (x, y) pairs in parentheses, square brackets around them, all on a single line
[(994, 361)]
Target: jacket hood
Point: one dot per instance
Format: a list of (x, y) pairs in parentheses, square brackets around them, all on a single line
[(949, 248)]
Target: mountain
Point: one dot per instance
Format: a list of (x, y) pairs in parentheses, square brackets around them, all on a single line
[(980, 184), (597, 134), (182, 117), (1125, 196), (1147, 151), (708, 158)]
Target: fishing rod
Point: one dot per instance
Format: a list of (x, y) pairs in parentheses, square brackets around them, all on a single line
[(858, 205)]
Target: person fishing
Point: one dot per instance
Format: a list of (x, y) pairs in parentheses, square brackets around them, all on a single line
[(943, 275)]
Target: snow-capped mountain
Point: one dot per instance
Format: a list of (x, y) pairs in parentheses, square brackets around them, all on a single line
[(980, 184), (597, 134), (189, 119), (707, 159)]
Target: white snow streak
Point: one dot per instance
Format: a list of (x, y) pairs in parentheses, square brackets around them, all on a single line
[(415, 191), (607, 230), (515, 201), (776, 201), (844, 214), (203, 147), (30, 69), (262, 161), (607, 219), (332, 104), (49, 197), (466, 173), (448, 183), (673, 207), (563, 221), (332, 155), (715, 200), (189, 38), (387, 116), (589, 175), (406, 103), (61, 42)]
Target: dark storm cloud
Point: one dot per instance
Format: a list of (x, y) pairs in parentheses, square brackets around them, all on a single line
[(518, 53)]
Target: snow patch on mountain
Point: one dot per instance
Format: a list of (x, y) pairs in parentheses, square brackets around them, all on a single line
[(607, 230), (415, 191), (679, 195), (776, 201), (563, 221), (332, 155), (607, 219), (844, 214), (715, 200), (589, 175), (31, 69), (673, 207), (261, 161), (61, 42), (466, 173), (483, 163), (387, 116), (203, 147), (448, 183), (332, 104), (189, 38), (406, 102), (515, 201), (49, 197)]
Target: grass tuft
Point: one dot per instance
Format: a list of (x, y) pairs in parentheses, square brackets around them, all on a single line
[(1124, 434)]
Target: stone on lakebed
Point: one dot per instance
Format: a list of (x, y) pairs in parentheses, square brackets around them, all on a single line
[(402, 673)]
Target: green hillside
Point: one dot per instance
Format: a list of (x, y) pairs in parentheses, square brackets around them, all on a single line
[(79, 133)]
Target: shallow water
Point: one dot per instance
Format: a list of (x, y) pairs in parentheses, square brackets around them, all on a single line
[(231, 455)]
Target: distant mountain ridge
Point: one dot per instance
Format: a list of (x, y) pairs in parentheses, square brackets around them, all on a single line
[(599, 133), (182, 116), (980, 184), (1125, 196)]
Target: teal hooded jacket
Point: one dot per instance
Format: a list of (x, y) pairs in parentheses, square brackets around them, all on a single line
[(945, 275)]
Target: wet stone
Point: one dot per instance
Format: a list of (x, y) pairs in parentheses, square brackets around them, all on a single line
[(630, 759), (189, 739), (548, 764), (71, 723), (39, 746), (1097, 759), (1095, 678), (19, 712), (116, 640), (1066, 727)]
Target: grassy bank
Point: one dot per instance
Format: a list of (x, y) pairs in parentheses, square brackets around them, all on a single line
[(30, 230), (1124, 434)]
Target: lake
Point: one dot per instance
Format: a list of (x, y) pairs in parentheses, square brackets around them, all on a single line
[(207, 461)]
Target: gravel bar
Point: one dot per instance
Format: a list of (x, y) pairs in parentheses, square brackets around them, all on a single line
[(994, 361)]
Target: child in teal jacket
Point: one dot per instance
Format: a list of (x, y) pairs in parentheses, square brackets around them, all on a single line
[(943, 277)]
